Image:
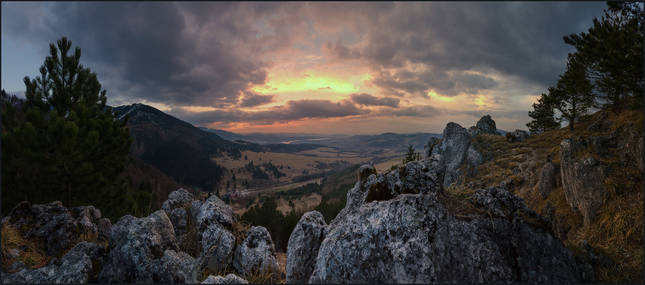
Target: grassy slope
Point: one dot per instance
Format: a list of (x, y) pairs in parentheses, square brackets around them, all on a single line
[(617, 229)]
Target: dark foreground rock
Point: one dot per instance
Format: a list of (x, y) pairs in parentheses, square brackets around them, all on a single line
[(76, 267), (303, 246), (57, 226), (229, 279), (134, 246)]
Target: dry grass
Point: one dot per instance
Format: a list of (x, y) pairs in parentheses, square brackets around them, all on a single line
[(33, 257), (456, 201)]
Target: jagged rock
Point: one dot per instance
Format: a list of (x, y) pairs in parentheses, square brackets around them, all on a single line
[(75, 268), (600, 126), (174, 268), (520, 135), (214, 211), (218, 247), (229, 279), (134, 245), (595, 258), (453, 146), (179, 219), (413, 239), (16, 266), (547, 179), (558, 224), (485, 125), (303, 246), (105, 227), (429, 145), (57, 226), (582, 178), (629, 146), (256, 254), (474, 157), (177, 199), (421, 176), (194, 209)]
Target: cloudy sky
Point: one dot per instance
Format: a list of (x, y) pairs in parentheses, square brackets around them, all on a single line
[(347, 68)]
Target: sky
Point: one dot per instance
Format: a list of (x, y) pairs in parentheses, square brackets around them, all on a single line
[(297, 67)]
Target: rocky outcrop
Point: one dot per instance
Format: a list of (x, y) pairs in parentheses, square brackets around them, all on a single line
[(229, 279), (453, 148), (174, 268), (600, 126), (57, 226), (218, 246), (547, 180), (583, 178), (519, 135), (174, 208), (413, 239), (629, 146), (303, 246), (558, 223), (75, 268), (214, 211), (256, 254), (485, 125), (429, 145), (135, 245)]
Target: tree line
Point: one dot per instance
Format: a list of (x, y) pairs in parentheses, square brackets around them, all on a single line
[(605, 70)]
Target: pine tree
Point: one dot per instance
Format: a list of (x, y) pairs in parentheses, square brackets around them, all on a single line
[(69, 147), (572, 96), (543, 115), (411, 155), (612, 53)]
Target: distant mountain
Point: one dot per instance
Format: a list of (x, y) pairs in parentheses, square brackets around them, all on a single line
[(178, 148)]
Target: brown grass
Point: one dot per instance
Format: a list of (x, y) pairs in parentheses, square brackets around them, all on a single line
[(33, 257)]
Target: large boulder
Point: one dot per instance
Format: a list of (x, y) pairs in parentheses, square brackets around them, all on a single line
[(177, 199), (629, 146), (229, 279), (214, 211), (57, 226), (453, 145), (218, 246), (547, 181), (174, 268), (520, 135), (75, 268), (413, 239), (429, 145), (600, 126), (485, 125), (256, 254), (175, 209), (134, 246), (303, 246), (583, 178)]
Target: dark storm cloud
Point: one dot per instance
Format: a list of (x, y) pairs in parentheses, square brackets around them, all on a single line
[(253, 100), (520, 39), (291, 111), (369, 100), (173, 53)]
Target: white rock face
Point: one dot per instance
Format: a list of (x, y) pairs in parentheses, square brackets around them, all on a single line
[(256, 254), (229, 279), (218, 246), (303, 246)]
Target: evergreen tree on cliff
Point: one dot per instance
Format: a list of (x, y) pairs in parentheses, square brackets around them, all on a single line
[(543, 115), (572, 96), (69, 147), (612, 53)]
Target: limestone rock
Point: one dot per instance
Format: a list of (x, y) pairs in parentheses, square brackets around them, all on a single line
[(303, 246), (214, 211), (453, 146), (582, 179), (218, 247), (629, 146), (229, 279), (485, 125), (413, 239), (58, 226), (134, 245), (105, 227), (558, 224), (75, 268), (177, 199), (256, 254), (179, 219), (520, 135), (600, 126), (429, 145), (547, 179), (174, 268)]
